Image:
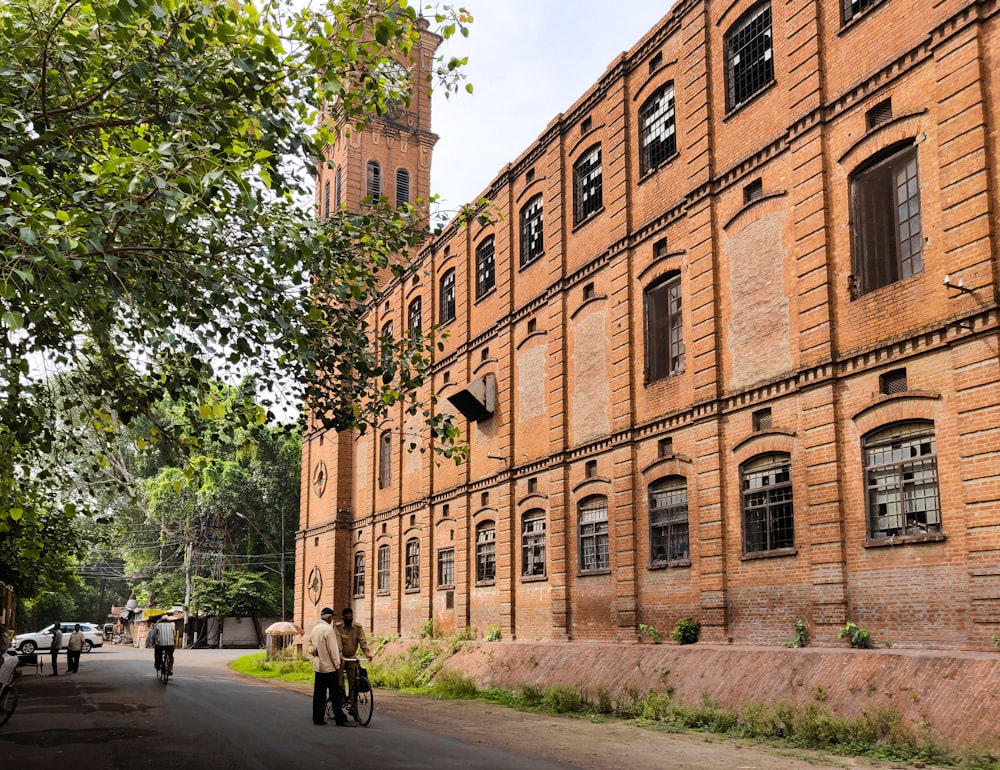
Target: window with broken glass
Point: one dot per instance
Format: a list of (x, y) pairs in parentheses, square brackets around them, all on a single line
[(902, 481), (767, 504), (532, 244), (533, 544), (383, 569), (359, 573), (749, 56), (486, 553), (587, 192), (412, 573), (668, 521), (657, 132), (593, 522), (485, 267)]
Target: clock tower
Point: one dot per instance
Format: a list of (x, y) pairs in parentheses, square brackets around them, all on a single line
[(389, 158)]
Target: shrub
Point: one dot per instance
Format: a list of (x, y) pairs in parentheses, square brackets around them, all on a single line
[(686, 631), (493, 633), (453, 684), (650, 631), (856, 636)]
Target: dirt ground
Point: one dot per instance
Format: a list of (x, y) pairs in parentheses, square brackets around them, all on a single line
[(603, 745)]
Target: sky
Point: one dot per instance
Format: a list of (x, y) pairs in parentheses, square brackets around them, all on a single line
[(529, 60)]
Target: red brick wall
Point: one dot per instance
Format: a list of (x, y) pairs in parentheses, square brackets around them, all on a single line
[(769, 322)]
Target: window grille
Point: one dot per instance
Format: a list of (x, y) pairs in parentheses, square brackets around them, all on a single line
[(326, 198), (593, 523), (359, 573), (587, 192), (886, 221), (412, 573), (753, 191), (902, 481), (657, 131), (767, 504), (383, 569), (668, 521), (664, 329), (586, 124), (485, 267), (532, 243), (655, 63), (447, 310), (893, 382), (762, 419), (749, 56), (446, 568), (879, 114), (402, 187), (373, 181), (665, 447), (486, 556), (338, 187), (533, 544)]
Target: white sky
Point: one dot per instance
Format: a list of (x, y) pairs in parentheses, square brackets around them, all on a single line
[(529, 60)]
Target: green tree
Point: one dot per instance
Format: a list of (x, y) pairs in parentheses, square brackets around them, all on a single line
[(156, 225)]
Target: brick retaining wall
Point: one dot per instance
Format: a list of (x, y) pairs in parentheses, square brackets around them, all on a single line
[(957, 694)]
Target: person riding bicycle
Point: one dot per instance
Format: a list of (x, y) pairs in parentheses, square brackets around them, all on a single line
[(8, 667), (163, 633), (350, 637)]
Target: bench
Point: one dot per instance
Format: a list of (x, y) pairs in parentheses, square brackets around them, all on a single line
[(34, 659)]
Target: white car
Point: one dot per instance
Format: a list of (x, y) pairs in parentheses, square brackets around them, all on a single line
[(26, 644)]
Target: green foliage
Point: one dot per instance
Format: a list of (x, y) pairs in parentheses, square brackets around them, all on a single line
[(995, 639), (650, 631), (287, 666), (493, 633), (686, 631), (453, 684), (801, 637), (856, 636), (158, 231), (429, 629)]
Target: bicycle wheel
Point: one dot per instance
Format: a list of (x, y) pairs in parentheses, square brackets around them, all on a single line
[(365, 704), (8, 702)]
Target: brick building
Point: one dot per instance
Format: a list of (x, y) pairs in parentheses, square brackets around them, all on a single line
[(731, 352)]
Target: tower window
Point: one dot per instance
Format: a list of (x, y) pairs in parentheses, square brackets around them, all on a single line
[(373, 180), (587, 185), (657, 131), (402, 187)]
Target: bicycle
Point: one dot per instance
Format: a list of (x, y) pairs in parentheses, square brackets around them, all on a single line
[(166, 669), (360, 700)]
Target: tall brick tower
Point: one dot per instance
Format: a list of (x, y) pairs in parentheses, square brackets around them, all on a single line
[(390, 158)]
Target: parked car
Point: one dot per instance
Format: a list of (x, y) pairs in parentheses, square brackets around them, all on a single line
[(26, 644)]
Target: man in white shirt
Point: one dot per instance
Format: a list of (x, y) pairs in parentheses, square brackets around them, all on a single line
[(326, 662)]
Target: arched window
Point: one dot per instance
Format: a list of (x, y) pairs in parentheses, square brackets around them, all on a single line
[(359, 573), (384, 562), (767, 503), (326, 198), (446, 568), (902, 481), (402, 187), (373, 180), (749, 55), (414, 317), (668, 521), (664, 328), (886, 229), (532, 241), (447, 295), (385, 459), (593, 523), (339, 187), (485, 267), (533, 543), (588, 196), (657, 132), (486, 552), (412, 575)]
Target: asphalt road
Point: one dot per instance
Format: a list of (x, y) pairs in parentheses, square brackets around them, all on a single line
[(114, 713)]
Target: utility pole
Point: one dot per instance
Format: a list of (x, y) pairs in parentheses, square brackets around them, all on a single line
[(187, 590), (283, 563)]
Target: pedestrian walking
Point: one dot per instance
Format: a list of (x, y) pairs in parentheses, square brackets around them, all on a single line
[(74, 649)]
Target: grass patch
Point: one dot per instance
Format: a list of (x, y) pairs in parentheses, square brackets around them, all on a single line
[(288, 667)]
